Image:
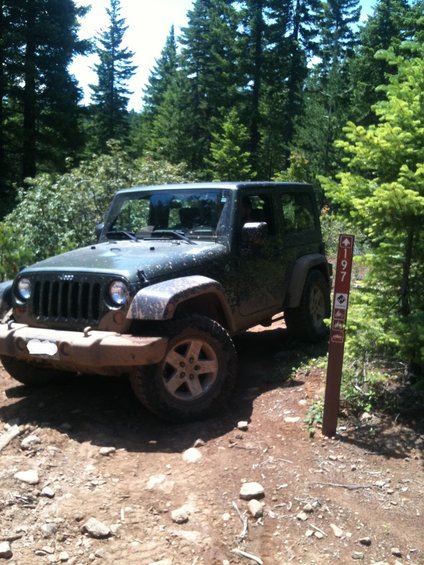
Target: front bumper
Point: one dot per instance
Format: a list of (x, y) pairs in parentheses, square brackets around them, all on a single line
[(90, 350)]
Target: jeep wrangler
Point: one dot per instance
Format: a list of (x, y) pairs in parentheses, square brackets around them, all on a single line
[(176, 271)]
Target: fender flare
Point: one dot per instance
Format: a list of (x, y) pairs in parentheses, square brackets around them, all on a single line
[(298, 276), (160, 301)]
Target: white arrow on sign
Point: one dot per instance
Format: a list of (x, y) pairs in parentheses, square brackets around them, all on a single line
[(346, 242)]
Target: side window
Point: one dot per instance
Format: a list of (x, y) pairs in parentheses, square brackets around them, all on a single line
[(298, 213), (257, 208)]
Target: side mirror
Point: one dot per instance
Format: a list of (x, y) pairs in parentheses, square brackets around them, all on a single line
[(254, 233)]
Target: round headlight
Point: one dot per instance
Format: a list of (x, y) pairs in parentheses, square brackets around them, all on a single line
[(118, 292), (24, 289)]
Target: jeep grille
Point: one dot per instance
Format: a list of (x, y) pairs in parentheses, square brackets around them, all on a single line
[(58, 300)]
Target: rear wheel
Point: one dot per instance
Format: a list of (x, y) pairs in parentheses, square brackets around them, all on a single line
[(307, 320), (196, 375), (31, 375)]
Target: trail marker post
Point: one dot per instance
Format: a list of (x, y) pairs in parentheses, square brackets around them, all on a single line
[(337, 334)]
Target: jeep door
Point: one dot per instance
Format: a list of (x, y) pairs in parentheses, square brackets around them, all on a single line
[(298, 226), (260, 267)]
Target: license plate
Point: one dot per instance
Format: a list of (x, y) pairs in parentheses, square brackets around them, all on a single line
[(42, 347)]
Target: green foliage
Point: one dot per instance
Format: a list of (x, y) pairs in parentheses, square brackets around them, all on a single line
[(361, 389), (229, 158), (209, 79), (389, 25), (161, 77), (331, 227), (299, 170), (314, 417), (39, 114), (381, 192), (56, 213)]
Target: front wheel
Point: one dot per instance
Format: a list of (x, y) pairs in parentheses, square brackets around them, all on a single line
[(196, 375), (307, 320)]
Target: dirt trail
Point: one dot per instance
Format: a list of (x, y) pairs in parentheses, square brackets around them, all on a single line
[(356, 497)]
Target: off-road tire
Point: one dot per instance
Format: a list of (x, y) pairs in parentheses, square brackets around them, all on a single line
[(196, 375), (31, 375), (306, 322)]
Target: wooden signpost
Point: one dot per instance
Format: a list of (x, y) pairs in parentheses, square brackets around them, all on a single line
[(337, 334)]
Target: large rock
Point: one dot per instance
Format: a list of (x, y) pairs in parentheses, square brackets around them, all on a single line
[(5, 550), (30, 477), (252, 490), (192, 455), (96, 529)]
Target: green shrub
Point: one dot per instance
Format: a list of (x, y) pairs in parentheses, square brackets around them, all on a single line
[(56, 213)]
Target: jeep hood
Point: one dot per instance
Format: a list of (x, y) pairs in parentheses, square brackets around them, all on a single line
[(155, 258)]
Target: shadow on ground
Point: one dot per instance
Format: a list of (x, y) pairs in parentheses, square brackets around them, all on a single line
[(105, 412), (396, 431)]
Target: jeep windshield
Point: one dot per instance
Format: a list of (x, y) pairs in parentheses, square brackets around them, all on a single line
[(183, 214)]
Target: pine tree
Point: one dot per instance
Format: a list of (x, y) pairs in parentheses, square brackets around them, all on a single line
[(254, 44), (58, 98), (145, 131), (209, 62), (381, 192), (291, 28), (267, 33), (174, 135), (39, 98), (9, 39), (328, 90), (338, 36), (50, 94), (161, 76), (111, 94), (302, 46), (389, 25), (229, 158)]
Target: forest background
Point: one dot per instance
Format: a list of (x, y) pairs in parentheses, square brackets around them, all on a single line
[(249, 90)]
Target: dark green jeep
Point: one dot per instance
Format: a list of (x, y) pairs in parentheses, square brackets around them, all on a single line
[(176, 271)]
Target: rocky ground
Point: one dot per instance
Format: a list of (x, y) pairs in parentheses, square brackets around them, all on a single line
[(88, 476)]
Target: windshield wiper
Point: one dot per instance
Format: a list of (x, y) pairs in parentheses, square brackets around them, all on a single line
[(121, 234), (172, 234)]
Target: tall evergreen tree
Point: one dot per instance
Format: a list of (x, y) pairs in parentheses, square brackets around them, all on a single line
[(144, 131), (338, 35), (388, 26), (8, 142), (39, 97), (291, 28), (302, 45), (174, 134), (210, 62), (229, 158), (111, 93), (254, 45), (328, 90), (381, 192), (161, 77), (266, 30), (58, 98)]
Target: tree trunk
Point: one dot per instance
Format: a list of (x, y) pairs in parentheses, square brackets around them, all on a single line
[(257, 33), (29, 99), (405, 308), (2, 97)]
